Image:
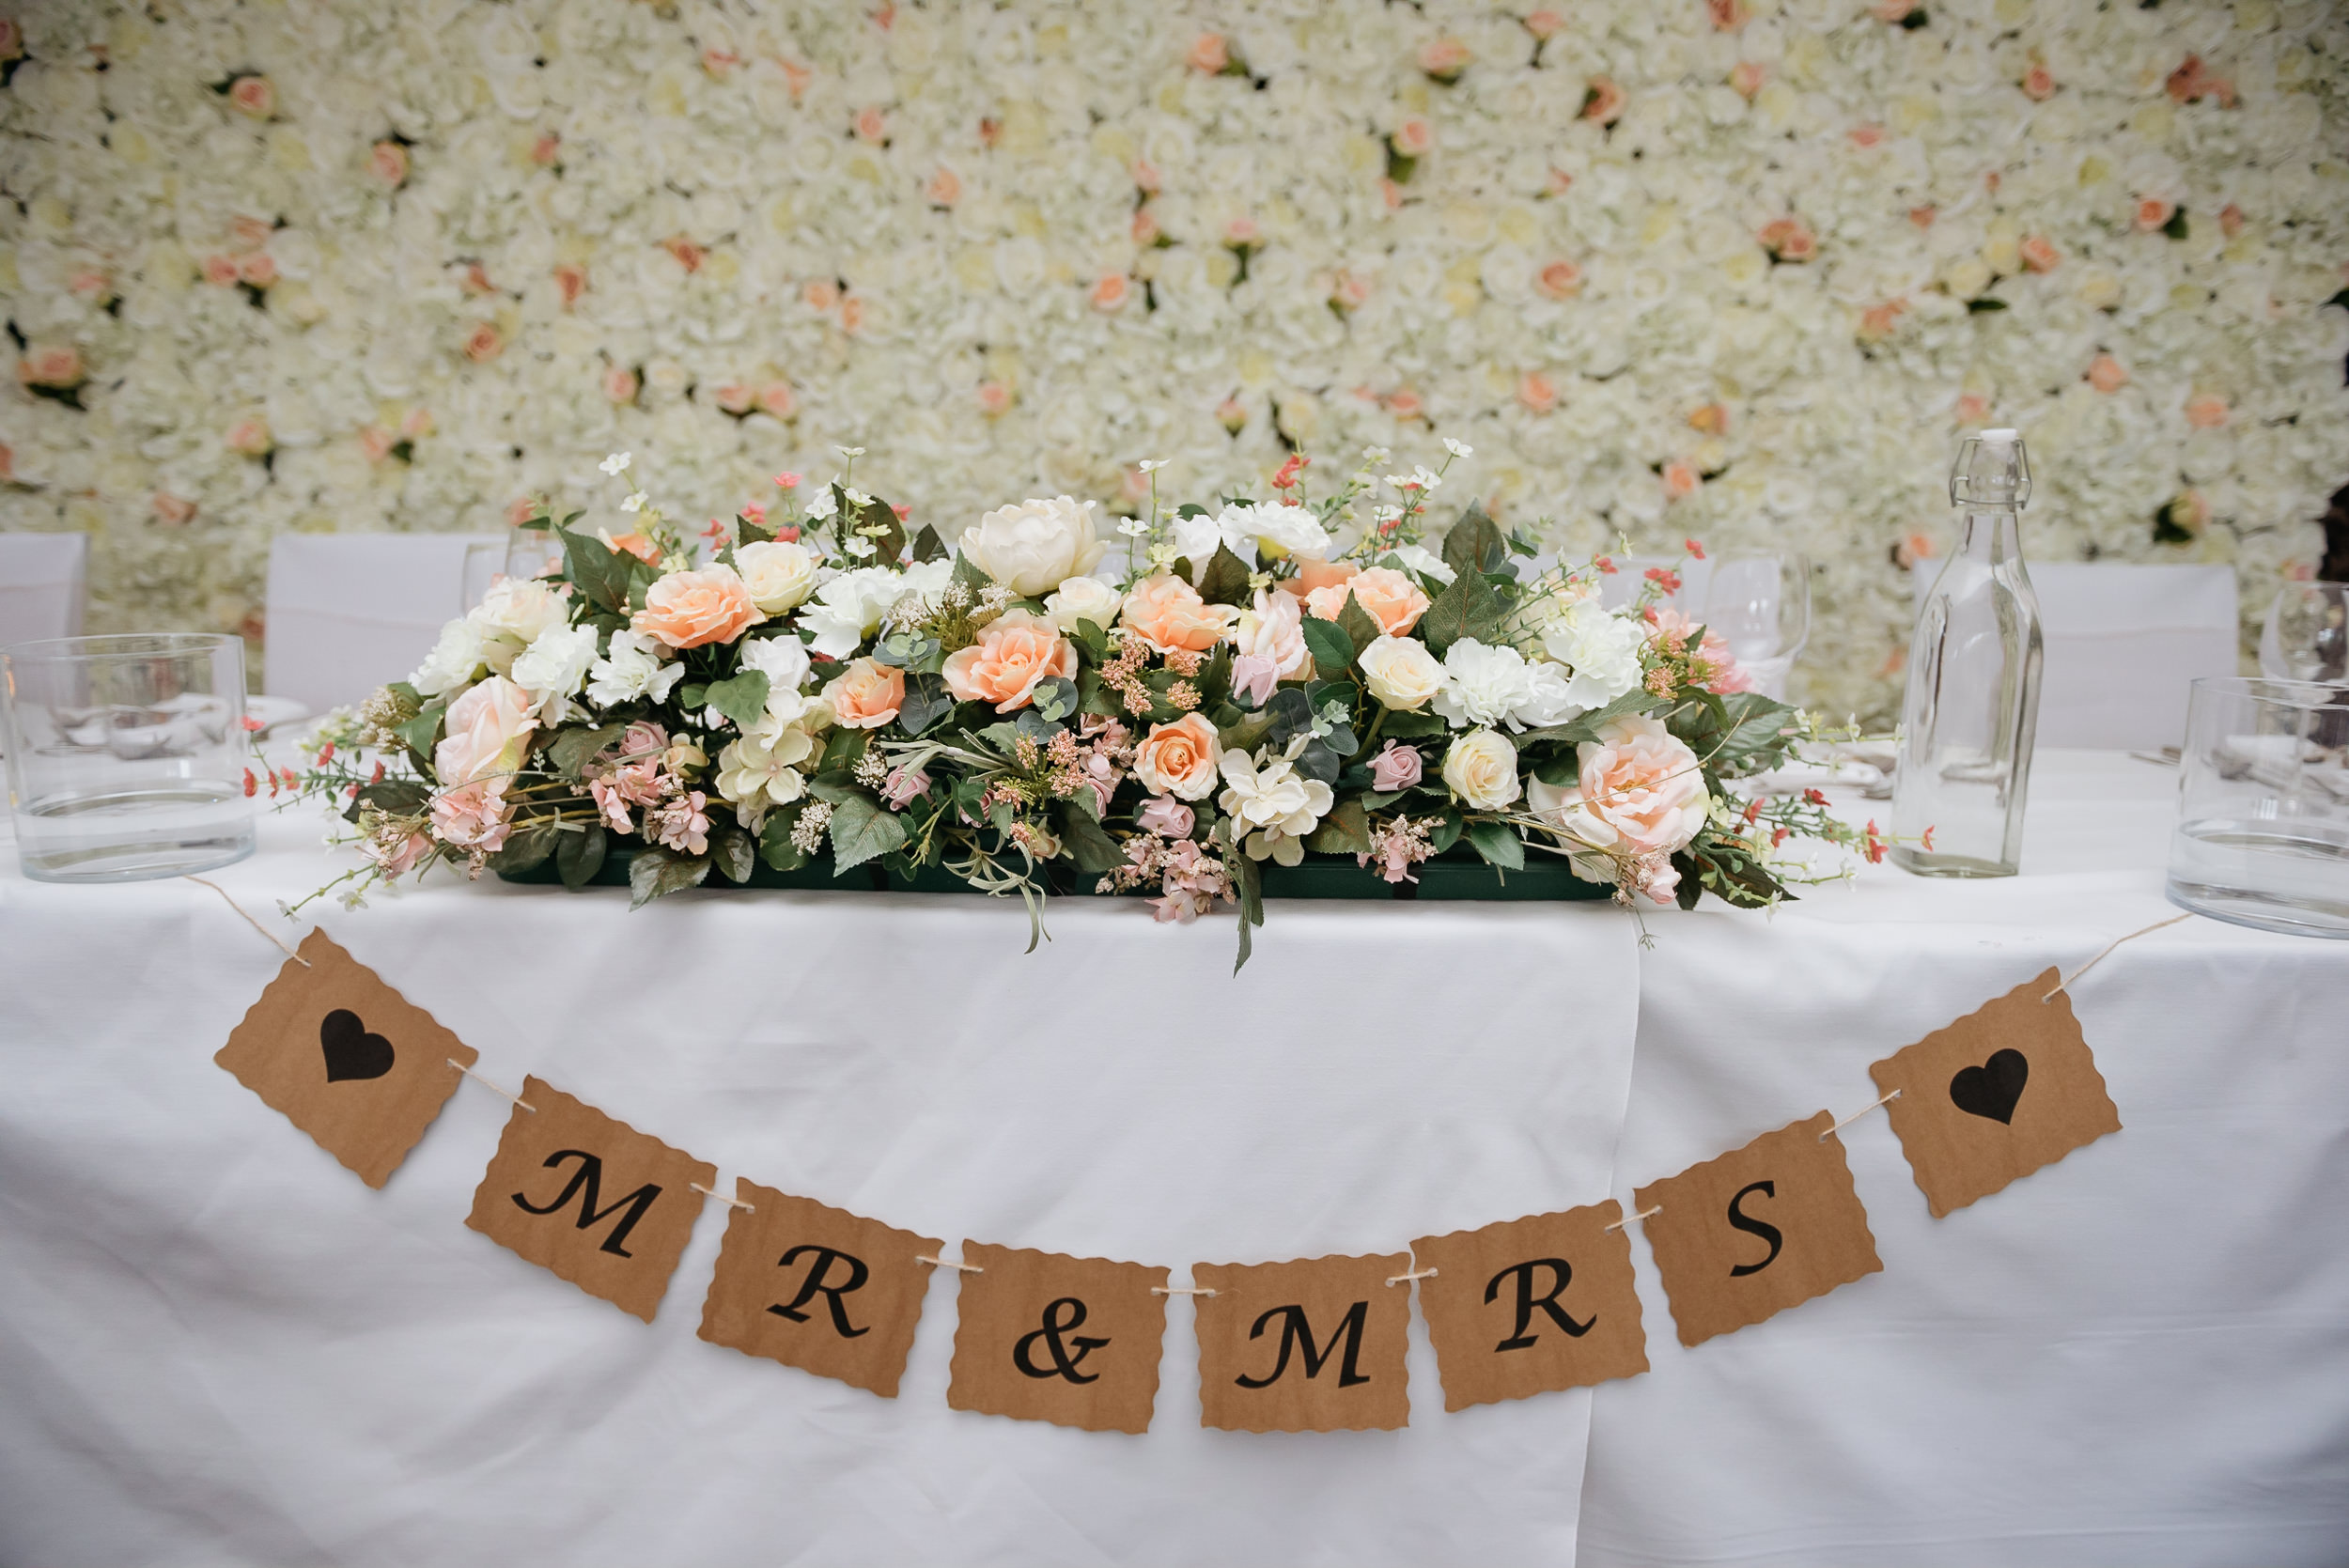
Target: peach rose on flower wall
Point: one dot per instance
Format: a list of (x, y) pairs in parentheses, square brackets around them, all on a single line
[(388, 161), (1011, 659), (1537, 392), (1319, 574), (1168, 613), (254, 97), (484, 343), (1178, 759), (1560, 280), (1209, 54), (691, 609), (220, 271), (56, 365), (2207, 411), (1602, 101), (570, 282), (866, 694), (2040, 254), (259, 270), (2105, 374)]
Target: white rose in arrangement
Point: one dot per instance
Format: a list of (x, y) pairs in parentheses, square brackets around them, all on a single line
[(1272, 805), (1279, 531), (1420, 559), (1482, 769), (1482, 685), (631, 670), (849, 609), (514, 613), (1638, 792), (779, 573), (553, 667), (1602, 651), (1036, 546), (1196, 538), (1083, 598), (782, 660), (453, 662), (1401, 673)]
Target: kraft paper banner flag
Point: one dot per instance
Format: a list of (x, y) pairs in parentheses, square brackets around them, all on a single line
[(1315, 1345), (590, 1199), (1047, 1338), (817, 1288), (1531, 1305), (1992, 1097), (1756, 1231), (345, 1057)]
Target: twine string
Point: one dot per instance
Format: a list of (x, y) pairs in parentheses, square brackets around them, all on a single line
[(1182, 1290), (248, 919), (2064, 982), (948, 1263), (1643, 1214), (1882, 1099), (1414, 1274), (730, 1203), (493, 1088)]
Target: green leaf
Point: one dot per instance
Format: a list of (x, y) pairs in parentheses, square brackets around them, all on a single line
[(580, 855), (395, 798), (775, 839), (860, 829), (1741, 733), (1359, 624), (1464, 608), (1575, 731), (844, 749), (592, 566), (1447, 831), (927, 546), (1412, 726), (526, 847), (1094, 641), (732, 852), (967, 572), (1248, 882), (1984, 305), (927, 702), (742, 697), (1691, 880), (421, 732), (2175, 228), (1333, 649), (1499, 844), (888, 533), (1475, 545), (1248, 734), (1345, 831), (571, 751), (747, 531), (1226, 579), (657, 872), (1088, 844)]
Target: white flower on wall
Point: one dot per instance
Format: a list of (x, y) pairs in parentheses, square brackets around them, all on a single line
[(1724, 267)]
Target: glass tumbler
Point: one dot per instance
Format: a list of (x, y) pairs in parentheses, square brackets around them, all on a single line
[(2306, 635), (2262, 834), (126, 755), (1760, 605)]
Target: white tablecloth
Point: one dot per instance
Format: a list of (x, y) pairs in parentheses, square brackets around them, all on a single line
[(217, 1346)]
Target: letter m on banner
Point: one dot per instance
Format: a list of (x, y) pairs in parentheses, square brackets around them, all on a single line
[(1310, 1346), (586, 1184)]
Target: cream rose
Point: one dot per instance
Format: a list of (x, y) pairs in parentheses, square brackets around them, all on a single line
[(1401, 673), (1482, 769), (485, 734), (1034, 546), (1179, 758), (1637, 791), (780, 574), (1082, 598)]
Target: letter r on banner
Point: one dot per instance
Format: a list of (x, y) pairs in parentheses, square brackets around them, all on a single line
[(1531, 1305)]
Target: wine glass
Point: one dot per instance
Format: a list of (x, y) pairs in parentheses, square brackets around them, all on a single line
[(1759, 604), (2307, 633)]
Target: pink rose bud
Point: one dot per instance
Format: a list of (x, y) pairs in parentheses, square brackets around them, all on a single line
[(902, 789), (1396, 768), (1164, 816), (1257, 675)]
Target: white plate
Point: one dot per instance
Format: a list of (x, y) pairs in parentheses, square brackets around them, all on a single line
[(273, 711)]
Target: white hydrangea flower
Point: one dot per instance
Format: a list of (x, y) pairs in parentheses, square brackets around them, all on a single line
[(631, 670), (553, 667)]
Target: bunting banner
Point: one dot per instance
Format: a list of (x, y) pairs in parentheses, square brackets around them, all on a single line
[(1517, 1308), (590, 1199)]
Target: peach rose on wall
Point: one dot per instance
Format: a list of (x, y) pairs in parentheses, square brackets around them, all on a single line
[(691, 609), (1168, 613), (866, 695), (1179, 758), (1011, 659)]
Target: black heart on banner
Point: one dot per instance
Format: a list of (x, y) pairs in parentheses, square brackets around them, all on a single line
[(1992, 1089), (350, 1051)]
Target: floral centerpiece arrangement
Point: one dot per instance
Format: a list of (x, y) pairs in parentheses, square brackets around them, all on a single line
[(1160, 708)]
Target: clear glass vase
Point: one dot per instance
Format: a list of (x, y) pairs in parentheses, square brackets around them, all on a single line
[(1972, 704)]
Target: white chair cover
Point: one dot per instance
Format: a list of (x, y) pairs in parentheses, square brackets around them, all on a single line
[(42, 577), (350, 612), (2123, 643)]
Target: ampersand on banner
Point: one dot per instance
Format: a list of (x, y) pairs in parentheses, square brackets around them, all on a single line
[(1019, 1352)]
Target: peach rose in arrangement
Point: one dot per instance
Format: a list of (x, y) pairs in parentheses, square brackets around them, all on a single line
[(1168, 613), (689, 609), (866, 696), (1178, 759), (1637, 793), (1319, 574), (487, 732), (1393, 599), (1011, 659)]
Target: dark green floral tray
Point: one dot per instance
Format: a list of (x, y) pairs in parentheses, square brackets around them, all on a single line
[(1456, 875)]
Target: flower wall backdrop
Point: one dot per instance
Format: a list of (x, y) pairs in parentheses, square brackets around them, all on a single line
[(1729, 269)]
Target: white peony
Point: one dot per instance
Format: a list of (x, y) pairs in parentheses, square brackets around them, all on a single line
[(1601, 649), (553, 667), (779, 573), (1272, 806), (631, 670), (1083, 598), (1401, 673), (453, 662), (1279, 531), (1482, 685), (849, 609), (513, 615), (782, 660), (1036, 546), (1482, 769)]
